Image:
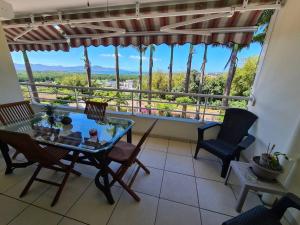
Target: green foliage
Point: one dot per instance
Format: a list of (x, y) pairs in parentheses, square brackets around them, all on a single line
[(184, 99), (214, 85), (74, 80), (244, 77), (165, 108)]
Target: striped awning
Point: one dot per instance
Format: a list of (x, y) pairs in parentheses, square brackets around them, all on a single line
[(60, 32)]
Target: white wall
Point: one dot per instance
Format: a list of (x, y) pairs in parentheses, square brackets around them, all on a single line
[(277, 92), (9, 87)]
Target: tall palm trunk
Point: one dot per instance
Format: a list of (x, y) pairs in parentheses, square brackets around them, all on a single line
[(117, 74), (87, 66), (33, 88), (201, 81), (231, 73), (188, 77), (150, 77), (140, 77), (171, 68)]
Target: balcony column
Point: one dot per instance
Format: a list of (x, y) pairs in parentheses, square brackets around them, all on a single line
[(10, 90), (277, 93)]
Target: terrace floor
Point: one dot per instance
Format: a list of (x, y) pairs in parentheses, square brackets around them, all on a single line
[(179, 190)]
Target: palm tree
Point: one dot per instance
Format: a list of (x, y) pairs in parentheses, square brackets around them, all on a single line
[(171, 68), (152, 49), (30, 77), (141, 49), (263, 22), (201, 80), (117, 75), (87, 66), (188, 76), (232, 62)]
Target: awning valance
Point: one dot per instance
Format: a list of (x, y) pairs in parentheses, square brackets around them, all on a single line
[(211, 22)]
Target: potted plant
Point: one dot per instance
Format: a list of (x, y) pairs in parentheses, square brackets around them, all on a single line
[(49, 110), (267, 166)]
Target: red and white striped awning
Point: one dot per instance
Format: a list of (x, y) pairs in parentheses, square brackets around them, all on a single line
[(62, 31)]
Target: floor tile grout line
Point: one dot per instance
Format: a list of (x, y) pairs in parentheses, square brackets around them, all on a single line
[(161, 184), (79, 197), (195, 179)]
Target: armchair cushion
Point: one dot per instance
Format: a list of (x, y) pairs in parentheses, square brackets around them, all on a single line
[(219, 148), (256, 216)]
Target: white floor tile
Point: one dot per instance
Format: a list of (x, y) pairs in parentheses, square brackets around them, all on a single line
[(129, 211), (216, 196), (158, 144), (180, 188), (180, 148), (148, 183), (203, 154), (36, 216), (92, 207), (67, 221), (154, 159), (9, 209), (208, 169), (171, 213), (73, 189), (18, 175), (180, 164), (212, 218)]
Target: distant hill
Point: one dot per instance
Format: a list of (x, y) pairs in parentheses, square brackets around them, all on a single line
[(73, 69)]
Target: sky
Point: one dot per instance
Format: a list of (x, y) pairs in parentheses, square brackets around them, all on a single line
[(129, 57)]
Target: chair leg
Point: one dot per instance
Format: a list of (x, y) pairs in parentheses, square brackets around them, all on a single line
[(197, 150), (28, 185), (15, 155), (124, 185), (225, 167), (70, 169), (142, 166)]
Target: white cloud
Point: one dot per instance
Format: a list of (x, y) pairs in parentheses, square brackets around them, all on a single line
[(109, 55), (137, 57)]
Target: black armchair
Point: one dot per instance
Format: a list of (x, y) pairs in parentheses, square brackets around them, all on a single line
[(232, 138), (261, 215)]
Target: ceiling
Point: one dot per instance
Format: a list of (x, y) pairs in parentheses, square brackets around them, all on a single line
[(26, 7)]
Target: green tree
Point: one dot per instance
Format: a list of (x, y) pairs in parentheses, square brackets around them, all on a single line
[(243, 80), (74, 80)]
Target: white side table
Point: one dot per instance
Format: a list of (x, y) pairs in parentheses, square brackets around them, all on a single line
[(241, 169)]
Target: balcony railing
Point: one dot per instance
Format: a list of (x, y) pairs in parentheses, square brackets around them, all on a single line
[(168, 104)]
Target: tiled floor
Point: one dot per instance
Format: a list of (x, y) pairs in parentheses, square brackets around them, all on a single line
[(179, 190)]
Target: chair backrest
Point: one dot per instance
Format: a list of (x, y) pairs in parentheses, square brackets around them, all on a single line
[(142, 140), (95, 110), (236, 125), (24, 144), (15, 112)]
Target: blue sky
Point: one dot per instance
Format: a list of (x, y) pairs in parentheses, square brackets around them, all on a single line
[(129, 57)]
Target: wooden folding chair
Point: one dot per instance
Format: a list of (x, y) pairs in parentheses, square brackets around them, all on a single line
[(48, 157), (15, 112), (95, 110), (126, 154)]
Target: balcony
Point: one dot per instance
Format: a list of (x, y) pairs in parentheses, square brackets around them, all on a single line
[(179, 189)]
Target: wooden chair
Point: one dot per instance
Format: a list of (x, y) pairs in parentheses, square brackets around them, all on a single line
[(95, 110), (126, 154), (15, 112), (48, 157)]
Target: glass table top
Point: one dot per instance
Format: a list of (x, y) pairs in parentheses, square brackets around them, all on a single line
[(84, 133)]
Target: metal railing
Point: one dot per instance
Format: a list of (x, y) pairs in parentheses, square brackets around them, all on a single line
[(195, 106)]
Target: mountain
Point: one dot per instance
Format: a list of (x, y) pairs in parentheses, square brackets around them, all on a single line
[(73, 69)]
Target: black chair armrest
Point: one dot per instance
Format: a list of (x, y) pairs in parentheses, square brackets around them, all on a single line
[(207, 126), (245, 143), (287, 201)]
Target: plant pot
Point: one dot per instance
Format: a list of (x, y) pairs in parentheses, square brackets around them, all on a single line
[(262, 172)]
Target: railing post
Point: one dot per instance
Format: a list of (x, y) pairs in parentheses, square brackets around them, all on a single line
[(76, 98), (204, 109), (132, 107)]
